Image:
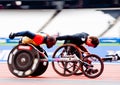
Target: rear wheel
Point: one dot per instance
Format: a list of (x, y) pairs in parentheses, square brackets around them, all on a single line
[(42, 66), (66, 68), (23, 60)]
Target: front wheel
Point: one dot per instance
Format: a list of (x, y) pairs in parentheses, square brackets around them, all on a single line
[(95, 67)]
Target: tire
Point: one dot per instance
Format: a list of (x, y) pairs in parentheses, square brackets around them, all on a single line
[(66, 68), (23, 60), (96, 62)]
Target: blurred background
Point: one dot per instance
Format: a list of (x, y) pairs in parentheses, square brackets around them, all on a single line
[(100, 18)]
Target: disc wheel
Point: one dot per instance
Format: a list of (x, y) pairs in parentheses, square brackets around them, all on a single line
[(66, 68), (23, 60), (96, 66)]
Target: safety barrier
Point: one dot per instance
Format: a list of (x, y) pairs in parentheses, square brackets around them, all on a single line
[(106, 45), (110, 40)]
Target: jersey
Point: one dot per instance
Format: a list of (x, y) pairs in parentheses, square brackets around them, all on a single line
[(77, 39), (37, 40)]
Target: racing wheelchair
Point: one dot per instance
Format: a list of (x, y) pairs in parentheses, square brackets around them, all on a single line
[(85, 65), (26, 60)]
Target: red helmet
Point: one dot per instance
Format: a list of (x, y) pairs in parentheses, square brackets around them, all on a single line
[(51, 41)]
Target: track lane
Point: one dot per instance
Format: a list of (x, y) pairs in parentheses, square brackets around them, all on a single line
[(110, 75)]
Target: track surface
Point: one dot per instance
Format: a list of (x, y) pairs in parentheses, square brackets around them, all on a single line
[(110, 76)]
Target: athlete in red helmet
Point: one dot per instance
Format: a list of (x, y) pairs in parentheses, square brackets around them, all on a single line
[(35, 38)]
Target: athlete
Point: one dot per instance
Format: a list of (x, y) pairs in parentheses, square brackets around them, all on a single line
[(35, 38), (79, 39)]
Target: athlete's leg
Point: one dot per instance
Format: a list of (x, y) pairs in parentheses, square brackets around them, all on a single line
[(22, 33)]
